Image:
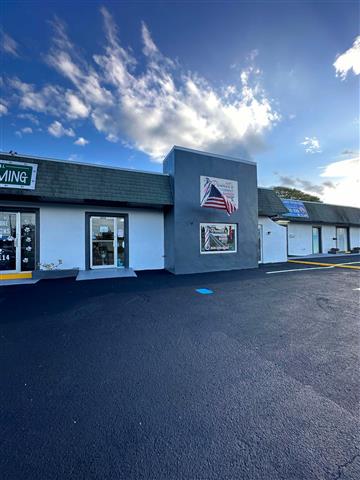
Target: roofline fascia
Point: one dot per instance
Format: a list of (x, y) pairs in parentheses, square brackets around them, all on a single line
[(208, 154), (320, 203), (33, 157)]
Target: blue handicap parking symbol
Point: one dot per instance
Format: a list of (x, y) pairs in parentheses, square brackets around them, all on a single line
[(204, 291)]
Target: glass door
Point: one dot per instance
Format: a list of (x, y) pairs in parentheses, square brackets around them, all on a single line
[(316, 240), (9, 242), (102, 242), (342, 239)]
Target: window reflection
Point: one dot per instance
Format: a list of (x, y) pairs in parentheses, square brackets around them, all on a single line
[(7, 241), (103, 253), (108, 242)]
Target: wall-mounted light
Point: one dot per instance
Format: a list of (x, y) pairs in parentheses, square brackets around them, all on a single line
[(282, 222)]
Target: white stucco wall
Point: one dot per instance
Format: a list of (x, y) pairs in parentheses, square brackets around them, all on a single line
[(354, 237), (273, 241), (62, 236), (299, 239)]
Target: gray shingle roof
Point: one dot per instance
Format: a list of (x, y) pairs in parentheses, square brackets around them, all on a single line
[(83, 183), (326, 213), (269, 204), (67, 181)]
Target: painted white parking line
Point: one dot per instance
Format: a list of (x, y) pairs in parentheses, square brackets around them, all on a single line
[(356, 289), (347, 263), (299, 269)]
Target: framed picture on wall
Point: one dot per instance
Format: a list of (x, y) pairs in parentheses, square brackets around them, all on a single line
[(219, 194), (218, 238)]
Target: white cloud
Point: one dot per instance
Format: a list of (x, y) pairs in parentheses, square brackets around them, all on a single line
[(349, 60), (8, 44), (57, 130), (64, 58), (311, 144), (149, 46), (112, 138), (47, 99), (26, 130), (3, 109), (164, 106), (345, 174), (76, 107), (153, 107), (340, 184), (29, 116), (81, 141), (305, 185), (160, 105)]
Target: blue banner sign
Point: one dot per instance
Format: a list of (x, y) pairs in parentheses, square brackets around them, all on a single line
[(296, 208)]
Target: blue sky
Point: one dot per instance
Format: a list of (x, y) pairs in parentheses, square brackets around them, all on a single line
[(120, 83)]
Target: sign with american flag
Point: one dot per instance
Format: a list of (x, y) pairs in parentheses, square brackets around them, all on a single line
[(218, 237), (219, 193)]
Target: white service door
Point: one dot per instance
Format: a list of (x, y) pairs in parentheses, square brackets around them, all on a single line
[(315, 240), (341, 239)]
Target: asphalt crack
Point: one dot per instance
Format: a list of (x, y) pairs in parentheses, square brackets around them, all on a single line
[(345, 465)]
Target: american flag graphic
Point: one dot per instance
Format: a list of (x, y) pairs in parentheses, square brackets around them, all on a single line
[(213, 198)]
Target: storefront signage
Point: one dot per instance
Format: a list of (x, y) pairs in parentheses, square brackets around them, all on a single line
[(218, 237), (296, 208), (17, 175), (219, 193)]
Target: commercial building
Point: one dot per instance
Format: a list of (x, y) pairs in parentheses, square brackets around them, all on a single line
[(87, 216), (311, 228), (204, 213), (316, 228)]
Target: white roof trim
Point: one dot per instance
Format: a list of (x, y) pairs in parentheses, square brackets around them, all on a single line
[(208, 154)]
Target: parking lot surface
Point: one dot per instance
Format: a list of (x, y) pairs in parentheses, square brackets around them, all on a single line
[(146, 378)]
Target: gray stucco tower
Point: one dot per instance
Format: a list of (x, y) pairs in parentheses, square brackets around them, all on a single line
[(198, 237)]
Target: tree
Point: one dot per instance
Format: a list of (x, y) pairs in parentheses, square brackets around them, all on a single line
[(294, 193)]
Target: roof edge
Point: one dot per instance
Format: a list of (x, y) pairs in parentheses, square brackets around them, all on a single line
[(98, 165), (320, 203), (309, 201), (209, 154)]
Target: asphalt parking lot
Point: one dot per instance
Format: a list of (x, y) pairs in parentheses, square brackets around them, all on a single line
[(145, 378)]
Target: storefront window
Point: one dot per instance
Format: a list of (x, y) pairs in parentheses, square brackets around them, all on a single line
[(7, 241), (28, 250)]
